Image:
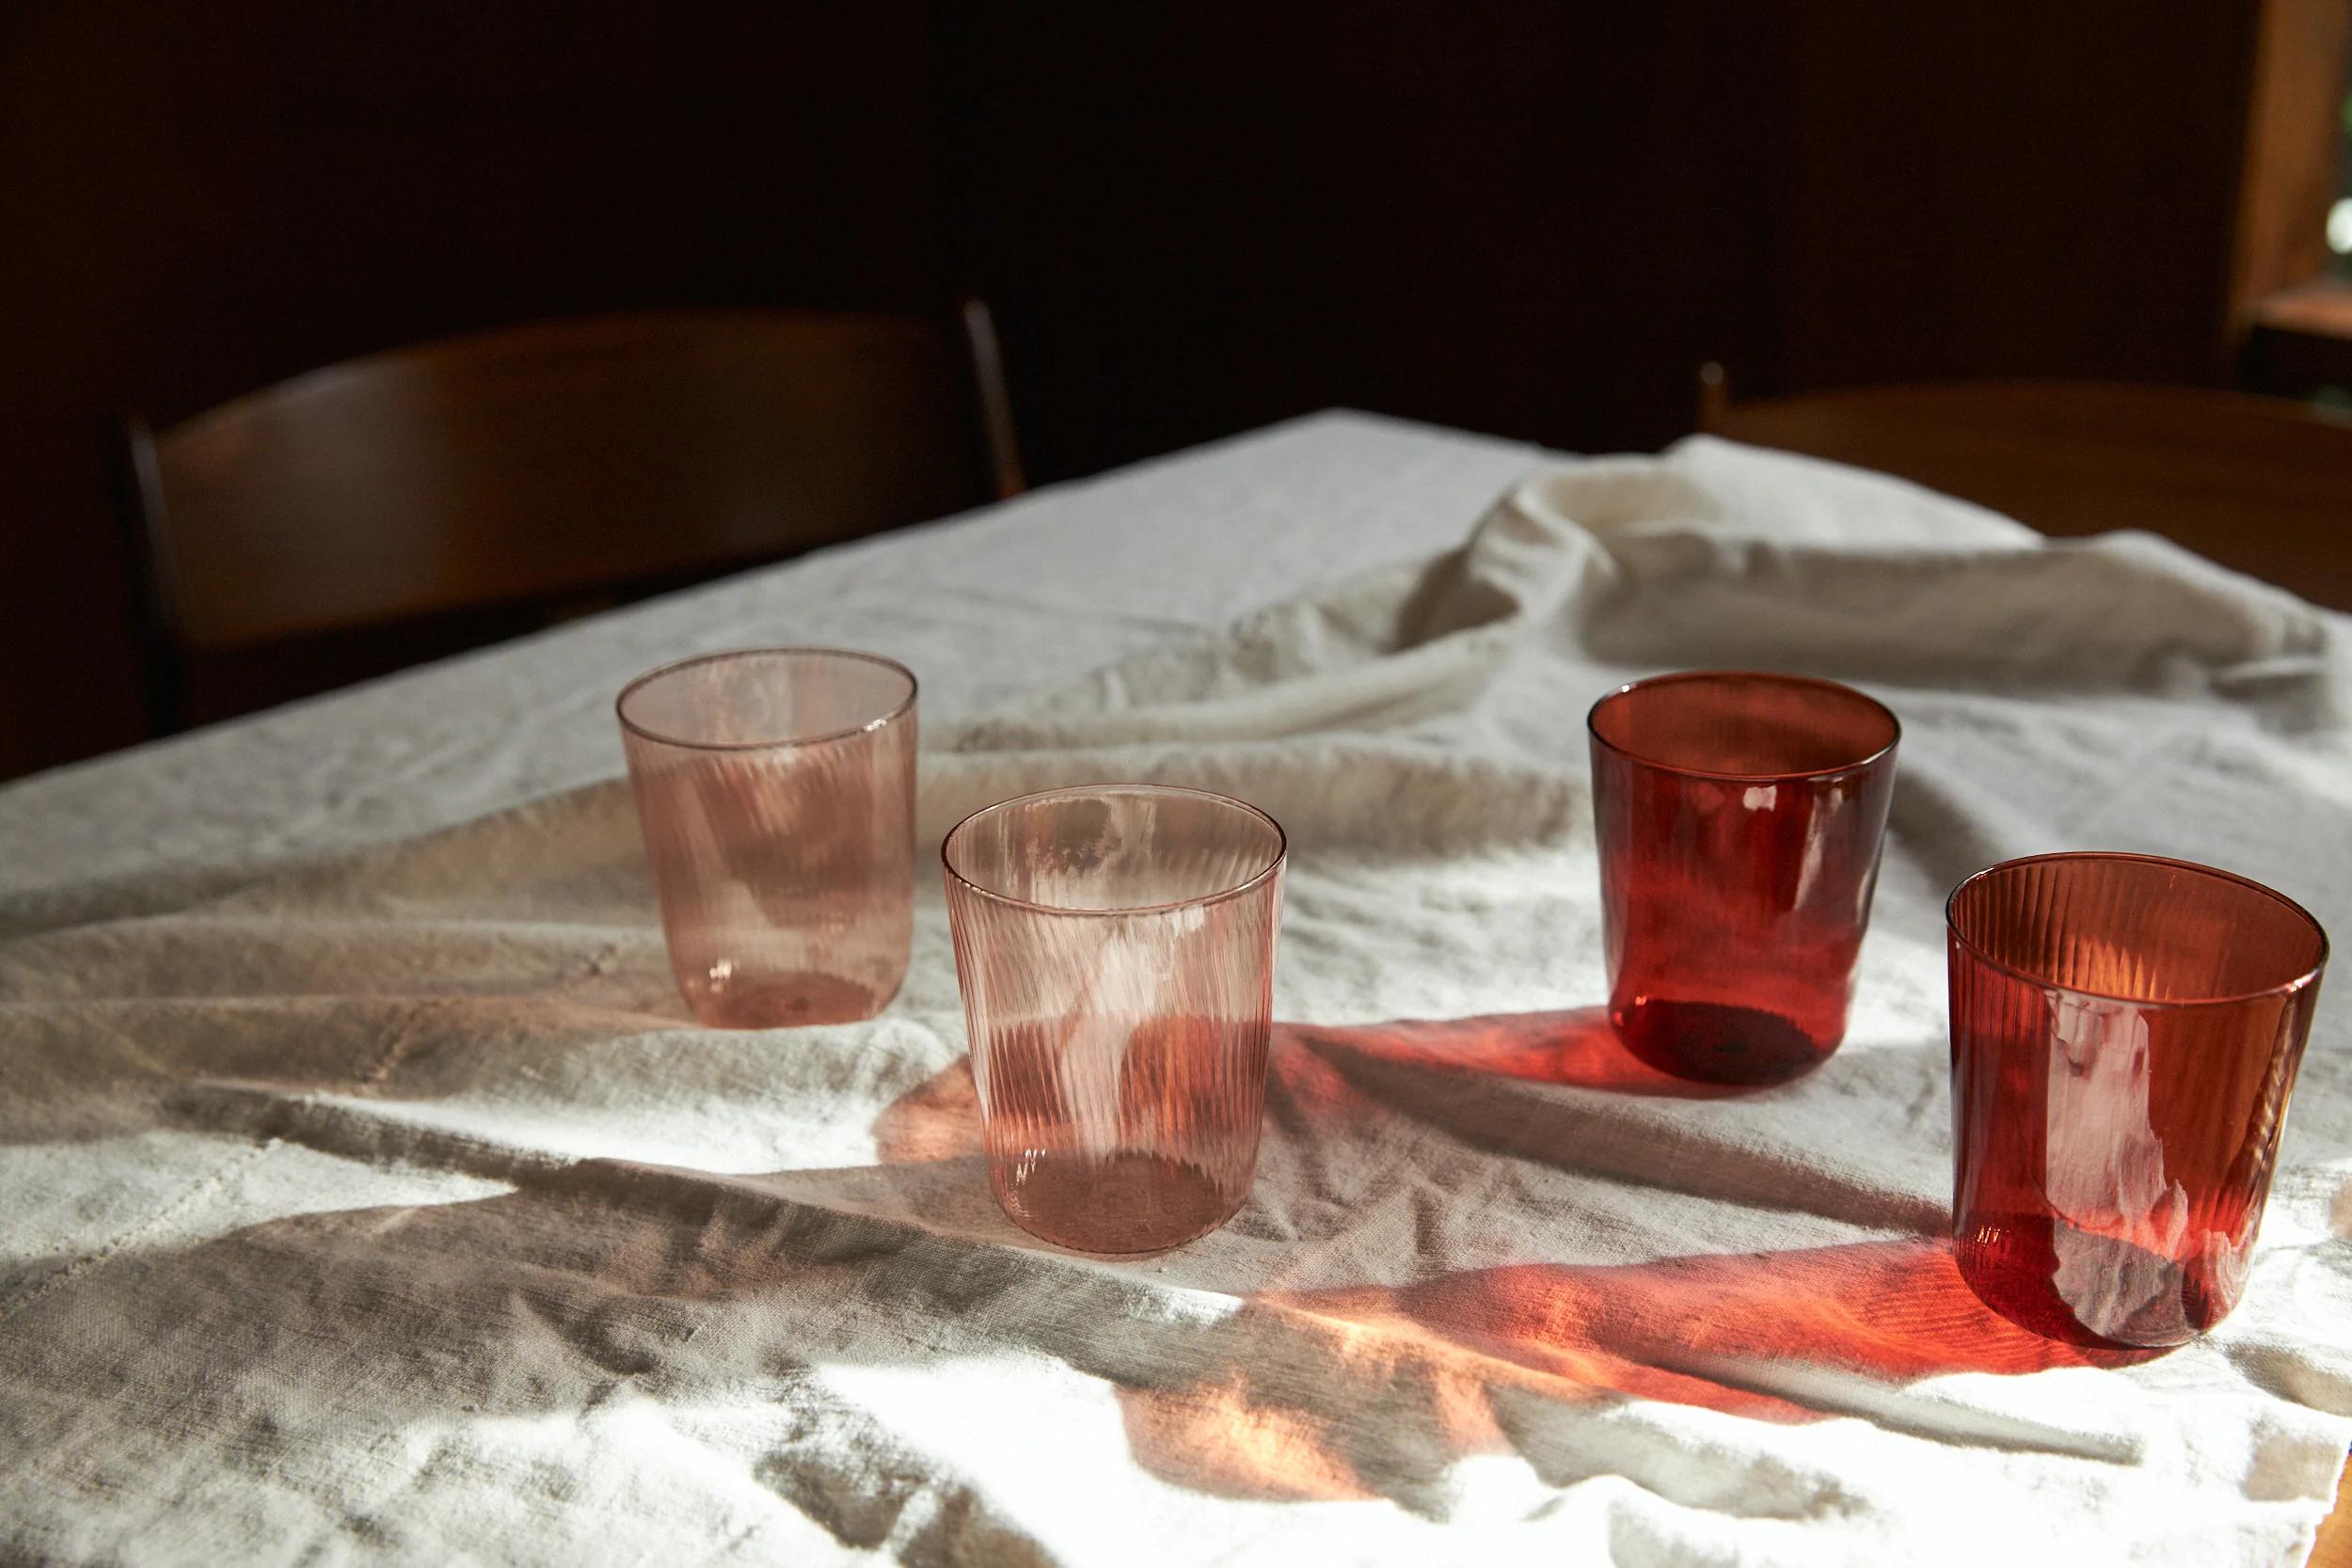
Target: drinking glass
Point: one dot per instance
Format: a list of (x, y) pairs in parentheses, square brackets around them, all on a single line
[(1739, 817), (2125, 1030), (776, 790), (1114, 947)]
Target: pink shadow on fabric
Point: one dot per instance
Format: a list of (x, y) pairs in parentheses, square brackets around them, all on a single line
[(940, 1120)]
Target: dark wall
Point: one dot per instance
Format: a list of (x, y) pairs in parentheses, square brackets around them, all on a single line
[(1537, 222), (1525, 218), (1534, 224), (200, 197), (2010, 188)]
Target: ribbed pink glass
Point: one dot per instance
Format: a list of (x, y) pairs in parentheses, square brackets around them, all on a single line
[(776, 790), (1115, 945), (2125, 1032), (1740, 816)]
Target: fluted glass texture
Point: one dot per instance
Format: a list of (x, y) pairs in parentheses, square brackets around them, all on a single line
[(775, 787), (2125, 1033), (1740, 816), (1115, 946)]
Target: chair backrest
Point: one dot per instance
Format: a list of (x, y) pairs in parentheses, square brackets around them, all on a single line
[(564, 458), (2262, 484)]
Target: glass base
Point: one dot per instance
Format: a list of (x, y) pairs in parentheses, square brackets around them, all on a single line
[(2081, 1288), (1125, 1202), (1715, 1043), (786, 1001)]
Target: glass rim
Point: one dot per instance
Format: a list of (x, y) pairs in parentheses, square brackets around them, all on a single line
[(659, 671), (2285, 988), (1248, 884), (1677, 677)]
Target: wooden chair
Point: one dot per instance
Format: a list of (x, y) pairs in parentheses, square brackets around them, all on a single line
[(444, 494), (2259, 483)]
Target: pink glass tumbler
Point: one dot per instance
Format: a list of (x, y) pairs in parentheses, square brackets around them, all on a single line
[(2125, 1032), (1740, 816), (776, 790), (1115, 946)]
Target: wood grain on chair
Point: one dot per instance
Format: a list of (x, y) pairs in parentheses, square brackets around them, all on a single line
[(560, 459), (2262, 484)]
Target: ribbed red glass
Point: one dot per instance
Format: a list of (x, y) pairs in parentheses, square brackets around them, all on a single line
[(2125, 1030), (1740, 816), (1115, 945), (776, 790)]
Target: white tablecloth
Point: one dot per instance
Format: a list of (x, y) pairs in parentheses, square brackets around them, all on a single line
[(370, 1197)]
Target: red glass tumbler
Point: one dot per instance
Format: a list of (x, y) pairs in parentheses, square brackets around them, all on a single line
[(776, 790), (1114, 947), (2125, 1030), (1740, 816)]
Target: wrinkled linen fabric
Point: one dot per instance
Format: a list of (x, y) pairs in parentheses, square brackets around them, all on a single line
[(370, 1198)]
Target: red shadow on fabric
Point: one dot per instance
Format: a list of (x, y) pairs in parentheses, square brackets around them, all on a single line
[(1692, 1328), (1515, 1360), (1511, 1360), (1576, 1048)]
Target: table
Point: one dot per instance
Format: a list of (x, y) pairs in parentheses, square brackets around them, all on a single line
[(444, 1123)]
